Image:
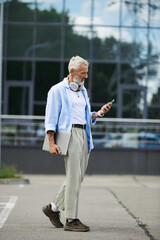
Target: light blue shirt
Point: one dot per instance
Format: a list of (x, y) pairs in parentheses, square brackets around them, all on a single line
[(59, 110)]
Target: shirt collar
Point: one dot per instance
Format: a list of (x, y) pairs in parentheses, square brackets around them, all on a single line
[(65, 82)]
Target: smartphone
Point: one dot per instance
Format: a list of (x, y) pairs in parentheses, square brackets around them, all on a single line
[(112, 100)]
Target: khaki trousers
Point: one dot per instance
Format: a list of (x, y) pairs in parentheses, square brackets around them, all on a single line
[(76, 162)]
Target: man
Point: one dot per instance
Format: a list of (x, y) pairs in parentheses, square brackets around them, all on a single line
[(68, 109)]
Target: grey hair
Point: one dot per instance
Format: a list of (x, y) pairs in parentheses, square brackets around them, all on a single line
[(75, 62)]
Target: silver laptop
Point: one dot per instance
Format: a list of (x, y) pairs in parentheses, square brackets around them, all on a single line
[(61, 139)]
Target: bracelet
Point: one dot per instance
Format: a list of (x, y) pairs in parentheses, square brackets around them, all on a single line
[(100, 115)]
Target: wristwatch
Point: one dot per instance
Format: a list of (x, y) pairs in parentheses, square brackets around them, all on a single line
[(100, 115)]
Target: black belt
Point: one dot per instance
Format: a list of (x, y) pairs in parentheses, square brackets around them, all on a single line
[(79, 126)]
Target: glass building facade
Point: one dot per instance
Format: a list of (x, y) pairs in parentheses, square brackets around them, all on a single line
[(119, 38)]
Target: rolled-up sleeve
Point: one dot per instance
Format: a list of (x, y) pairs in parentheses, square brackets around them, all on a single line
[(53, 107), (89, 114), (92, 121)]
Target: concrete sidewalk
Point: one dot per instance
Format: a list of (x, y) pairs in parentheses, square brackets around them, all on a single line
[(115, 208)]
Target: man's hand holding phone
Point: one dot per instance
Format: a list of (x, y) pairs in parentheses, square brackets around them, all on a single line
[(105, 108)]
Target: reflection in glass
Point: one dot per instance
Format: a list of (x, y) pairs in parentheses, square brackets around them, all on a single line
[(49, 4), (49, 11), (133, 100), (35, 29), (141, 75), (104, 82), (154, 45), (132, 104), (24, 70), (20, 41), (48, 41), (79, 11), (104, 86), (105, 43), (39, 110), (153, 83), (154, 92), (134, 44), (47, 75), (134, 13), (130, 74), (15, 100), (154, 112), (155, 14), (19, 11), (76, 42), (106, 12)]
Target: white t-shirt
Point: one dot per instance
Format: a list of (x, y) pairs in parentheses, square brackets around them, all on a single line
[(78, 107)]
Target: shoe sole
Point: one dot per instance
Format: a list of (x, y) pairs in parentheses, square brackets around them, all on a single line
[(46, 212), (76, 230)]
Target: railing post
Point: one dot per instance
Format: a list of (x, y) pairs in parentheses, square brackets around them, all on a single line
[(1, 63)]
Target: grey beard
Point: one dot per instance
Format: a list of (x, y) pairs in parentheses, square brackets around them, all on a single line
[(78, 82)]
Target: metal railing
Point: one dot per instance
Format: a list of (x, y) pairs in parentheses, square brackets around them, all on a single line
[(107, 132)]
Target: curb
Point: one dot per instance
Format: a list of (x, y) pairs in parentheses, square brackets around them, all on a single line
[(14, 181)]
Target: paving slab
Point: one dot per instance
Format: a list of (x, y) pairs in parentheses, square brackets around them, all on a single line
[(112, 205)]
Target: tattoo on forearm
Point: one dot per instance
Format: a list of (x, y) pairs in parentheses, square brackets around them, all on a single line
[(50, 136)]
